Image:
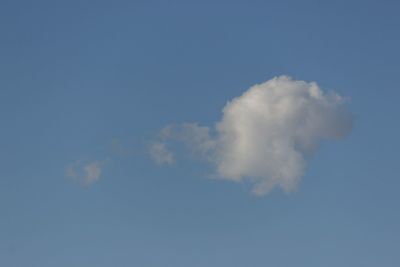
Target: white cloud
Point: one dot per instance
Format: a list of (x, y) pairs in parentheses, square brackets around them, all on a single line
[(85, 174), (160, 154), (265, 135)]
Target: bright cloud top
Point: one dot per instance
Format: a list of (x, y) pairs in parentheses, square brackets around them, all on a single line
[(266, 135), (85, 174)]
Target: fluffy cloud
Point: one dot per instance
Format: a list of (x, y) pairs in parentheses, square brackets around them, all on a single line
[(265, 135), (85, 174), (160, 154)]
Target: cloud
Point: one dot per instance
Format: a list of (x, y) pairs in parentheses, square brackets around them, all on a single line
[(160, 154), (266, 135), (85, 174)]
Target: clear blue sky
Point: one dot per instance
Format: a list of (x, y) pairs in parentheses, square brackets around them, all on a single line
[(78, 75)]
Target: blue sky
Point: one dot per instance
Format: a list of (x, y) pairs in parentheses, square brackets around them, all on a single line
[(95, 81)]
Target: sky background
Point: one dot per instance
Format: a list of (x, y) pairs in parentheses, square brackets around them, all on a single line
[(96, 80)]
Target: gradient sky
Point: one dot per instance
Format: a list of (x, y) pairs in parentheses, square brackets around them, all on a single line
[(85, 81)]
